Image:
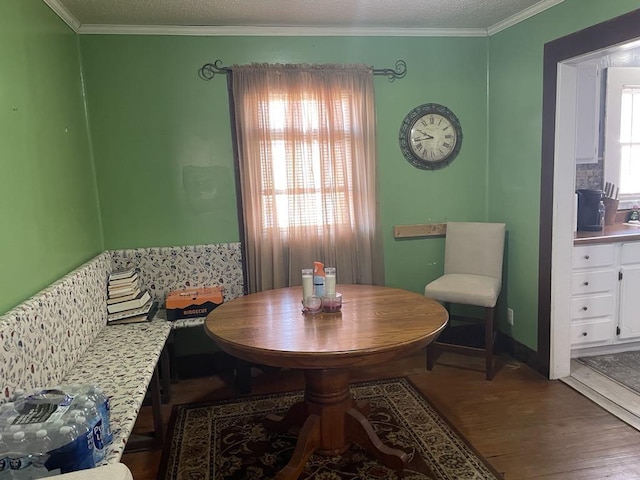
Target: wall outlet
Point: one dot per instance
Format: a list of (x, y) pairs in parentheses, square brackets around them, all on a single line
[(510, 316)]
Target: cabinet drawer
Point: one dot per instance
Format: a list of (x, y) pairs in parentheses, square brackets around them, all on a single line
[(592, 306), (593, 282), (593, 256), (590, 332), (630, 253)]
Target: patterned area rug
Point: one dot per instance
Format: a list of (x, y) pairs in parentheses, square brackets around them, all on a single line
[(226, 440), (623, 367)]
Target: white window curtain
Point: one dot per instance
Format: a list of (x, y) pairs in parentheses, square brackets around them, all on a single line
[(307, 165)]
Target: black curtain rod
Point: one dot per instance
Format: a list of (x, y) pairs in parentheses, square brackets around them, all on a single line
[(209, 70)]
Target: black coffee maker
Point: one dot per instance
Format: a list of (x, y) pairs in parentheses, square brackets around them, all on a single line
[(590, 214)]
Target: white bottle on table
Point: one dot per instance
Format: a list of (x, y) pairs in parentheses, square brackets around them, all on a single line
[(307, 283), (330, 281)]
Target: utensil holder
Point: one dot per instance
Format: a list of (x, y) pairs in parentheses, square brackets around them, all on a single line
[(610, 210)]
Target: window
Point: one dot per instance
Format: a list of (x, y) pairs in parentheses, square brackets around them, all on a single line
[(295, 180), (622, 133), (630, 141)]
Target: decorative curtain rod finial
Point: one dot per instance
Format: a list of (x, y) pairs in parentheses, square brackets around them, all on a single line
[(209, 70), (391, 74)]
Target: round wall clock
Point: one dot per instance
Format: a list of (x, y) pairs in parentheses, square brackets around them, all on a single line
[(430, 136)]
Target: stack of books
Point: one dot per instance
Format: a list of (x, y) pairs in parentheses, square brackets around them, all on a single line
[(127, 302)]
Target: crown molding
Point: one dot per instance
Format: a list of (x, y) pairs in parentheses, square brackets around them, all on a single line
[(64, 14), (523, 15), (293, 31), (278, 31)]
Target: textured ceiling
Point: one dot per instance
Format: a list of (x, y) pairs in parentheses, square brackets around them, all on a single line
[(399, 14)]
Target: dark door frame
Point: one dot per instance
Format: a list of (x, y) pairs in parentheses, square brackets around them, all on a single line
[(613, 32)]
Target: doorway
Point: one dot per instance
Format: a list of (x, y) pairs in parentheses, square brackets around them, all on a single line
[(558, 180)]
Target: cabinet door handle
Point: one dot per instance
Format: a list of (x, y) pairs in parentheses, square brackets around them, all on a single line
[(586, 284), (585, 308), (586, 257), (584, 334)]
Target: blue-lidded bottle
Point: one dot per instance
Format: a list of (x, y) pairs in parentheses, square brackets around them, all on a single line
[(318, 279)]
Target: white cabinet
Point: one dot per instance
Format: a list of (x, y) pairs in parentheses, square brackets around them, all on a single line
[(629, 314), (605, 296), (587, 113), (593, 295)]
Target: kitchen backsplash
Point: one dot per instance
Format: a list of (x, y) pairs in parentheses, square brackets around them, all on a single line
[(590, 175)]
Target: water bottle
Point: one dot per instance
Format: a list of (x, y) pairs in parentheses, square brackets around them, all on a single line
[(72, 414), (5, 473), (8, 414), (601, 214), (82, 425), (74, 453), (19, 458), (96, 394), (7, 410), (63, 455), (95, 422), (54, 429), (40, 449), (32, 428)]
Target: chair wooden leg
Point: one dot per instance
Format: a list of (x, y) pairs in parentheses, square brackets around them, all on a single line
[(431, 349), (488, 340)]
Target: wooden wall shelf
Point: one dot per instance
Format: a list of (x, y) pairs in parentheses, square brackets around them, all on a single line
[(422, 230)]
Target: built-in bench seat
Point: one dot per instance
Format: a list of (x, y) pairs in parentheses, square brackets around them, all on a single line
[(61, 336), (123, 360)]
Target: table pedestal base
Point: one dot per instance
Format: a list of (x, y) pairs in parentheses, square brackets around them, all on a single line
[(331, 420)]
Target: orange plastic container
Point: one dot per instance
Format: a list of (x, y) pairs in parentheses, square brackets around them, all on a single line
[(193, 302)]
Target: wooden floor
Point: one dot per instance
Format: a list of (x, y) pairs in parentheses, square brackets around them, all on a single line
[(526, 426)]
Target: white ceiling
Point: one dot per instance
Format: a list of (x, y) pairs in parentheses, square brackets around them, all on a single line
[(297, 17)]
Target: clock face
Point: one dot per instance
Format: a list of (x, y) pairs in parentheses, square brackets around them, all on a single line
[(430, 136)]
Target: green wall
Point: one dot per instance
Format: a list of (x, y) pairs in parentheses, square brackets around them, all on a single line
[(163, 158), (515, 135), (153, 119), (48, 199)]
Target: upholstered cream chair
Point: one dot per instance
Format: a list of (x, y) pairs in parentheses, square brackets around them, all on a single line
[(472, 276)]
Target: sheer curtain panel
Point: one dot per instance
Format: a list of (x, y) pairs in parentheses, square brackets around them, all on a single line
[(307, 165)]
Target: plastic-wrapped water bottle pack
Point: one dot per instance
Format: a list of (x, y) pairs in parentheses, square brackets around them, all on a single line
[(51, 431)]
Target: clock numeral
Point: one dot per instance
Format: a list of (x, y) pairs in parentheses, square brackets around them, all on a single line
[(445, 128), (446, 145), (431, 120), (448, 136)]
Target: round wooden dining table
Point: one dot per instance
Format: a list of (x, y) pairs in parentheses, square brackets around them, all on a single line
[(376, 325)]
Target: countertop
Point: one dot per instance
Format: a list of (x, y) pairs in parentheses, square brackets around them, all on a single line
[(618, 232)]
